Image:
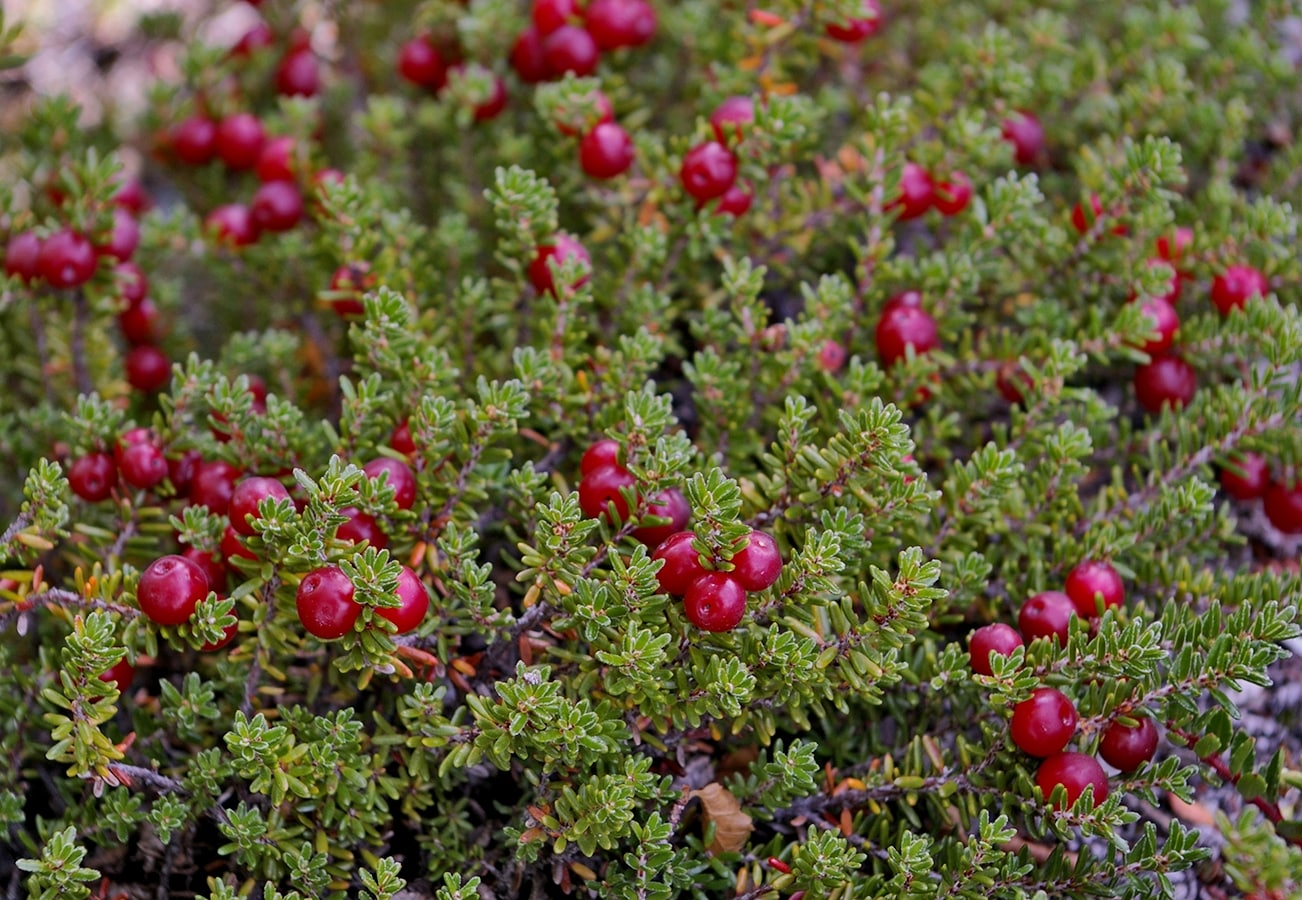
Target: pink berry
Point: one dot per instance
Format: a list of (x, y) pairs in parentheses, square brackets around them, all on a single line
[(413, 600), (1234, 287), (682, 564), (1127, 747), (757, 565), (565, 247), (1024, 131), (860, 28), (240, 139), (67, 259), (715, 602), (1092, 582), (997, 638), (708, 170), (246, 497), (668, 504), (606, 151), (917, 192), (276, 206), (1166, 381), (1165, 323), (400, 476), (902, 327), (601, 487), (951, 196), (570, 49), (1044, 723), (1246, 476), (1048, 615), (1074, 772), (170, 589), (620, 23), (731, 117), (601, 454), (325, 603), (419, 63)]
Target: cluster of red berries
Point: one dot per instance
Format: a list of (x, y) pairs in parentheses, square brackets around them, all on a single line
[(904, 324), (603, 483), (715, 600), (570, 36), (920, 191), (421, 63), (605, 148), (328, 609), (1246, 477)]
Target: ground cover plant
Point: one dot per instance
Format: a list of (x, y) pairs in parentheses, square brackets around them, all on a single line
[(636, 449)]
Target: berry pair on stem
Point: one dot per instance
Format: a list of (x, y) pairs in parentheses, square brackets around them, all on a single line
[(716, 600)]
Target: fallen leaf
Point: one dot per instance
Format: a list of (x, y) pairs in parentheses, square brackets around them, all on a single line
[(732, 827)]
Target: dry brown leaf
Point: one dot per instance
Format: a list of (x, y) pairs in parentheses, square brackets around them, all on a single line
[(732, 827)]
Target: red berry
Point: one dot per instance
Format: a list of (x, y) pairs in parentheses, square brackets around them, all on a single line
[(148, 368), (1044, 723), (170, 589), (275, 161), (401, 479), (361, 527), (123, 239), (831, 356), (400, 439), (298, 75), (1167, 380), (120, 675), (601, 454), (1236, 286), (143, 465), (735, 201), (496, 102), (601, 487), (232, 224), (1075, 772), (917, 192), (131, 281), (131, 197), (620, 23), (682, 564), (731, 117), (181, 469), (419, 62), (715, 602), (325, 603), (354, 278), (212, 485), (194, 140), (1173, 246), (413, 598), (1166, 322), (576, 124), (549, 15), (277, 206), (997, 638), (757, 566), (1175, 286), (570, 49), (903, 300), (228, 635), (212, 565), (708, 170), (22, 256), (1024, 131), (1246, 476), (1283, 506), (606, 151), (233, 548), (528, 59), (903, 327), (1047, 614), (1082, 221), (245, 498), (92, 477), (859, 29), (240, 139), (1127, 747), (1090, 581), (668, 504), (67, 259), (566, 247), (256, 38), (951, 196)]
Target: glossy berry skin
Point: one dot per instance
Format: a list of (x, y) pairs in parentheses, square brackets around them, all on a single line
[(212, 565), (620, 23), (233, 548), (354, 278), (194, 140), (92, 477), (601, 487), (232, 224), (298, 75), (606, 151), (170, 589), (903, 327), (952, 195), (566, 247), (996, 638), (570, 49), (735, 202), (831, 356), (67, 259), (22, 256), (603, 453), (1024, 131), (228, 635), (275, 161), (493, 106), (668, 504), (549, 15), (756, 566), (1075, 772), (715, 602), (276, 206), (325, 603), (240, 138), (1166, 381), (400, 439), (708, 170), (859, 29), (1165, 323), (1246, 476), (917, 192), (213, 484), (245, 498), (361, 527), (1090, 581), (181, 469), (148, 368), (401, 479), (528, 59), (1234, 287), (121, 675), (1128, 747), (253, 40), (123, 239), (1283, 506), (413, 599), (682, 564), (1047, 614), (420, 64), (143, 465), (731, 117), (1043, 723)]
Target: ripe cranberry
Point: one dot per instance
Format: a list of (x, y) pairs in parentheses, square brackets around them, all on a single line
[(1075, 772), (682, 564), (902, 327), (181, 469), (601, 454), (228, 635), (211, 564), (1024, 131), (131, 281), (1167, 380), (245, 498), (120, 675), (277, 206), (1091, 581), (496, 102), (413, 600), (130, 438), (606, 151), (419, 62), (570, 49), (566, 247), (583, 121), (325, 603), (232, 224), (92, 477), (1012, 381), (903, 300), (1044, 723), (1175, 286), (1047, 615), (831, 356), (708, 170), (123, 239), (194, 140), (298, 75), (233, 548), (212, 485), (549, 15), (22, 256), (1246, 476), (601, 487), (67, 259), (715, 602), (131, 197), (757, 566), (354, 278), (668, 504), (170, 588), (361, 527), (731, 117), (400, 439), (917, 192), (148, 368), (240, 139), (1165, 323), (951, 196), (620, 23), (256, 38), (1236, 286), (1172, 247), (735, 202), (143, 465), (862, 28), (1082, 221), (276, 160), (528, 59), (1127, 747), (401, 479), (997, 638), (1283, 506), (324, 177)]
